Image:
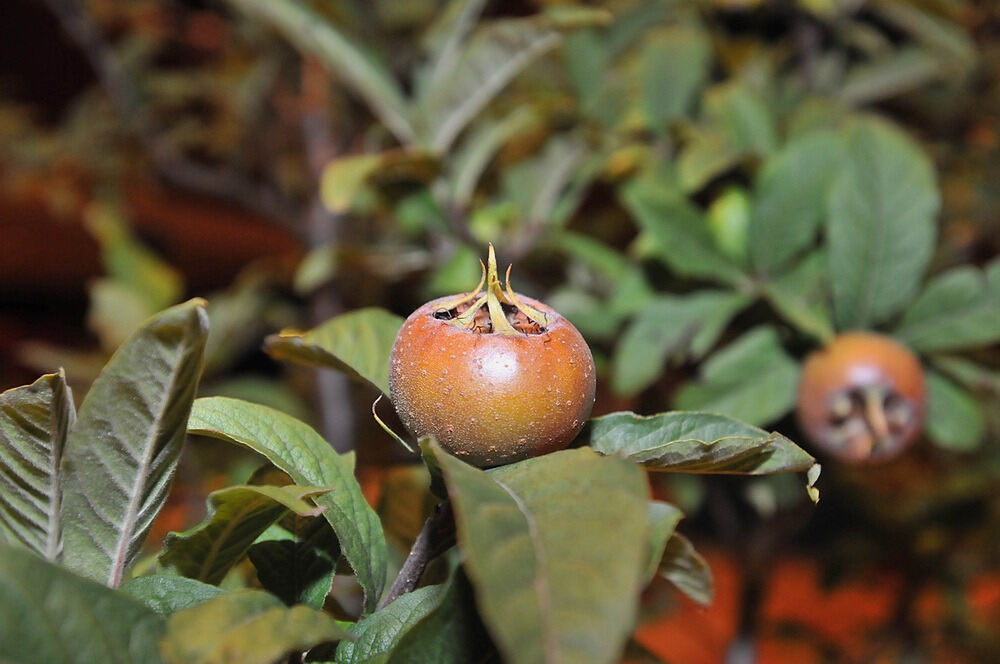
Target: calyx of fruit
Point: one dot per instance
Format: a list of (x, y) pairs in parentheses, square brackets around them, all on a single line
[(862, 398), (495, 310), (493, 375)]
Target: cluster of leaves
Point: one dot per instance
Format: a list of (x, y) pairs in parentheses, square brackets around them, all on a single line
[(772, 184), (751, 175), (81, 492)]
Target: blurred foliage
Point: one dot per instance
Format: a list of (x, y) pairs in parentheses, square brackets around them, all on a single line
[(708, 189)]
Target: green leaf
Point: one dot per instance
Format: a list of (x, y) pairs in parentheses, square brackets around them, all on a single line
[(695, 443), (297, 449), (686, 569), (675, 64), (790, 198), (376, 636), (970, 374), (663, 519), (467, 164), (954, 417), (48, 614), (357, 343), (746, 118), (313, 34), (166, 593), (344, 178), (880, 225), (752, 379), (679, 231), (451, 633), (299, 570), (247, 626), (473, 76), (543, 596), (34, 422), (802, 296), (895, 73), (238, 318), (536, 185), (237, 515), (116, 310), (688, 324), (708, 153), (129, 263), (938, 33), (957, 310), (122, 453)]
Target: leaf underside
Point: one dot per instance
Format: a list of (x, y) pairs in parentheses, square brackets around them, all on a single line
[(122, 453)]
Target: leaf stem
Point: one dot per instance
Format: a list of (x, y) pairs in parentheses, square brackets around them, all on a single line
[(436, 537)]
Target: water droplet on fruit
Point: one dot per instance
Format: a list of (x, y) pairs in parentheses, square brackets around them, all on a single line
[(444, 372)]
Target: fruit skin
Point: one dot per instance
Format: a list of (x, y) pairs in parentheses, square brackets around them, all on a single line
[(492, 399), (850, 364)]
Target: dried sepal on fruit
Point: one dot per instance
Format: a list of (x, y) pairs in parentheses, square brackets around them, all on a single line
[(493, 375), (862, 398)]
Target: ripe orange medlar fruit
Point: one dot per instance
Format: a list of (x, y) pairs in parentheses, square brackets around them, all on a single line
[(862, 397), (494, 376)]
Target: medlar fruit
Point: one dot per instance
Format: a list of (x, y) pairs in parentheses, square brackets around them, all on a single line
[(494, 376), (862, 397)]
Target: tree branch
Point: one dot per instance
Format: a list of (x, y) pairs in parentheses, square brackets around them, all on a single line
[(437, 536)]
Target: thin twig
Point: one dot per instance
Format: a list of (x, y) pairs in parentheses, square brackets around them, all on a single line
[(436, 537)]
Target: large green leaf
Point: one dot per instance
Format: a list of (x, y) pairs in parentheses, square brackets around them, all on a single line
[(695, 443), (237, 515), (34, 422), (958, 309), (167, 593), (675, 64), (544, 596), (299, 570), (312, 33), (48, 614), (122, 453), (663, 519), (679, 232), (451, 633), (376, 636), (954, 417), (752, 379), (357, 343), (297, 449), (245, 627), (467, 79), (802, 296), (880, 226), (686, 569), (790, 198), (686, 325)]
